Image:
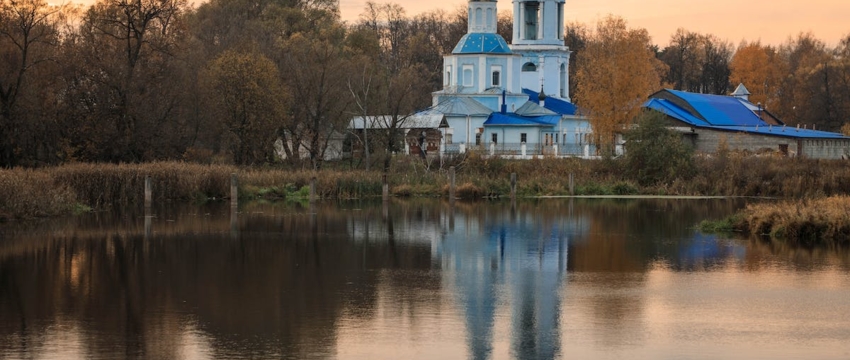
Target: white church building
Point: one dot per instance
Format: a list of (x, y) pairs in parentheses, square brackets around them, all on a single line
[(504, 100), (511, 100)]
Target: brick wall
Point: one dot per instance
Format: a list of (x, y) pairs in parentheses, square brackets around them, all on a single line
[(707, 141)]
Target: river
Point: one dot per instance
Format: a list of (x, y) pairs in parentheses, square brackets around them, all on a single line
[(416, 279)]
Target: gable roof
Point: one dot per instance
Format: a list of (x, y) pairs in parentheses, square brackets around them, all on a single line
[(556, 105), (481, 43), (512, 119), (458, 105), (417, 121), (741, 90), (724, 113), (533, 109), (717, 110)]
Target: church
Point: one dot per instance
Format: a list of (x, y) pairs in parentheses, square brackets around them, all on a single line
[(511, 100), (499, 99)]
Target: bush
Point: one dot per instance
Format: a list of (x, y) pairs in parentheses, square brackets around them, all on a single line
[(655, 154)]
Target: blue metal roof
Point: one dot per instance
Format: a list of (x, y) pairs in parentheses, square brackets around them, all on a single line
[(720, 110), (670, 109), (511, 119), (557, 105), (482, 43)]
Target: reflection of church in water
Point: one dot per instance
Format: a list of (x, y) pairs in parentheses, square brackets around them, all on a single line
[(509, 263)]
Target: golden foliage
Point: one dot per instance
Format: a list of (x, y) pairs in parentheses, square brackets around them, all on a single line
[(760, 69), (619, 72)]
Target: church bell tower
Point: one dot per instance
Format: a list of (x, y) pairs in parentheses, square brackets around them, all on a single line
[(539, 37)]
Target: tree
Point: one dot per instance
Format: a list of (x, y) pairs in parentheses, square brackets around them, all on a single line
[(619, 71), (317, 67), (29, 41), (698, 63), (654, 153), (245, 89), (125, 103), (759, 68)]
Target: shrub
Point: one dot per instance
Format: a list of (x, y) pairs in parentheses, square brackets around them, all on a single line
[(654, 153)]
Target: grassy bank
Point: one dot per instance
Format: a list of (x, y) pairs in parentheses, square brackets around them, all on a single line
[(58, 190), (823, 221)]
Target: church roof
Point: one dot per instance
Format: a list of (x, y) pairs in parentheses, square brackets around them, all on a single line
[(533, 109), (458, 105), (511, 119), (559, 106), (481, 43)]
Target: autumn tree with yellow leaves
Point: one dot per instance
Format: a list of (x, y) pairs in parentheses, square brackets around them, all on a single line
[(619, 71), (760, 69)]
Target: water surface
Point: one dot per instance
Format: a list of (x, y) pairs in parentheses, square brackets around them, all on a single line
[(419, 279)]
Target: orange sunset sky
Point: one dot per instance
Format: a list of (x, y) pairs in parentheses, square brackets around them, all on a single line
[(734, 20), (771, 21)]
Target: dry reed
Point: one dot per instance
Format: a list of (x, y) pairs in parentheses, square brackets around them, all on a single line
[(804, 222)]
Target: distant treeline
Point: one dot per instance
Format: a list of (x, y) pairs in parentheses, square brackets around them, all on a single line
[(147, 80)]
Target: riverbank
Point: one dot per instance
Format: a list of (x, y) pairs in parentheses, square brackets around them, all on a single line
[(26, 193), (806, 222)]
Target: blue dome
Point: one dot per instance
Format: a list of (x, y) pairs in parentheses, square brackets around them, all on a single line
[(482, 43)]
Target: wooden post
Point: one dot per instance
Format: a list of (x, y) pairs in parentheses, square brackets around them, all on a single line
[(385, 193), (451, 183), (148, 192), (313, 189), (572, 185), (234, 190), (513, 186)]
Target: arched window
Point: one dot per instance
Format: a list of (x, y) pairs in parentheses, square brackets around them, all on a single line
[(563, 80), (529, 66), (478, 17)]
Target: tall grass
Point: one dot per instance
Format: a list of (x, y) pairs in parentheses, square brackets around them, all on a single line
[(803, 222), (48, 191), (33, 193)]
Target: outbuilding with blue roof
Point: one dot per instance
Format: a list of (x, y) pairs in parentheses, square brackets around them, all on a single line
[(709, 120)]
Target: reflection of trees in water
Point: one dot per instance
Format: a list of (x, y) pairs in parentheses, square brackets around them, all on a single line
[(271, 291)]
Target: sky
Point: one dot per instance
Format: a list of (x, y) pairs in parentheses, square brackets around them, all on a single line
[(770, 21)]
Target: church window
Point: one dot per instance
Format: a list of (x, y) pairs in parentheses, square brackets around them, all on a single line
[(532, 14), (448, 80), (490, 18), (467, 75), (478, 14), (561, 21), (495, 138), (523, 137), (529, 66), (496, 79), (563, 79)]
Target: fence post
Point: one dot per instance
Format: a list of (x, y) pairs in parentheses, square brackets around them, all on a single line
[(513, 186), (313, 189), (385, 194), (148, 191), (234, 190), (524, 150), (451, 183)]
